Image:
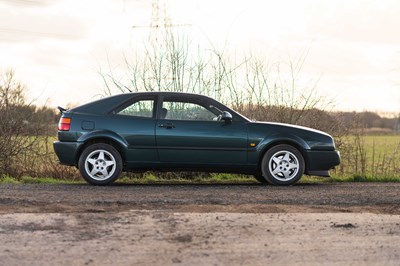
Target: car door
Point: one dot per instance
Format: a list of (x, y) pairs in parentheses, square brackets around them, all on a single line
[(189, 133)]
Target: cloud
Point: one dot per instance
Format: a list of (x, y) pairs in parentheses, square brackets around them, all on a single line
[(18, 24), (28, 3), (374, 22)]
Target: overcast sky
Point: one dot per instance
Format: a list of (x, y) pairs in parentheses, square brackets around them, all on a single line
[(57, 47)]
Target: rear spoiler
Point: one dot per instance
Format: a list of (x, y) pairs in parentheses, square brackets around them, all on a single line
[(61, 109)]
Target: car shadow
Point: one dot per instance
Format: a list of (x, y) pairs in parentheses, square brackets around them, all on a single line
[(230, 184), (198, 184)]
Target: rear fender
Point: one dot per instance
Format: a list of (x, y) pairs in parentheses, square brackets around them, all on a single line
[(104, 134)]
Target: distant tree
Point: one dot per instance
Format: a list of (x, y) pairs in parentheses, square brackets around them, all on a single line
[(370, 119)]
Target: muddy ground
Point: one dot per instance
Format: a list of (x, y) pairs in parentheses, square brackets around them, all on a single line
[(307, 224)]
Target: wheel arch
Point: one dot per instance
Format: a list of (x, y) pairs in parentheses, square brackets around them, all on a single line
[(288, 141), (107, 137)]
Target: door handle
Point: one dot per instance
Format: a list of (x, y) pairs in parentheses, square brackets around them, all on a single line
[(168, 125)]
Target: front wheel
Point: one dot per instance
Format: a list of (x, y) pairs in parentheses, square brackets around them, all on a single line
[(282, 165), (100, 164)]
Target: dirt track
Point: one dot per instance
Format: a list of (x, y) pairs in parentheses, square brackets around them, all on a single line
[(357, 223)]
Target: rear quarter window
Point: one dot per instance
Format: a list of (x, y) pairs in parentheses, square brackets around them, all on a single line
[(139, 108)]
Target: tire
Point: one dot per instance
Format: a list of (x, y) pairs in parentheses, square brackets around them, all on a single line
[(100, 164), (282, 165)]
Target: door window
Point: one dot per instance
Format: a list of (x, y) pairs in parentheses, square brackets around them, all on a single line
[(187, 111)]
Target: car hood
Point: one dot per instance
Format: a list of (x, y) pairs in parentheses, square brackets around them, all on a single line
[(309, 138), (283, 125)]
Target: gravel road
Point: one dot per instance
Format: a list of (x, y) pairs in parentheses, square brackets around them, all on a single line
[(305, 224), (346, 197)]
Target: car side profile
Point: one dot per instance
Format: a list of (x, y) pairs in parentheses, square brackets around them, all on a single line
[(167, 131)]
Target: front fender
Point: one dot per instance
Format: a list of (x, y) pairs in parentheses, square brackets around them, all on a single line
[(287, 138), (255, 154)]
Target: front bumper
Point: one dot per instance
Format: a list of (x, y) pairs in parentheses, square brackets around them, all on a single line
[(67, 152), (320, 162)]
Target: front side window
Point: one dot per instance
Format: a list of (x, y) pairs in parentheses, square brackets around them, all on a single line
[(140, 108), (176, 110)]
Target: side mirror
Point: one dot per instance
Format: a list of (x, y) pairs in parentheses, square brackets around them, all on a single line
[(226, 116)]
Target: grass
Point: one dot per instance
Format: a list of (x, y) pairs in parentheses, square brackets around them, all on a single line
[(380, 145), (6, 179)]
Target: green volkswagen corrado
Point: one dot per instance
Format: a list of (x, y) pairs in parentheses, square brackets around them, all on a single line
[(186, 132)]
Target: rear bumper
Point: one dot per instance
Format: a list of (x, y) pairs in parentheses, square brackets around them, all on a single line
[(67, 152), (320, 162)]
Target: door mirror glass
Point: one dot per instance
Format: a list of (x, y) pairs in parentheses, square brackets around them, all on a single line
[(226, 116)]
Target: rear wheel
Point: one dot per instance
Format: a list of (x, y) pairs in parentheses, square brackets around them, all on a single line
[(282, 165), (100, 164)]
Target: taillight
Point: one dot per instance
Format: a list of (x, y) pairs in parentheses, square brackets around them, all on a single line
[(64, 124)]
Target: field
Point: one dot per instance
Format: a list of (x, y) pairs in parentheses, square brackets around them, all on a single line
[(371, 157)]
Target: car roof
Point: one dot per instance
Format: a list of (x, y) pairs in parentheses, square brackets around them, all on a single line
[(107, 104), (104, 105)]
